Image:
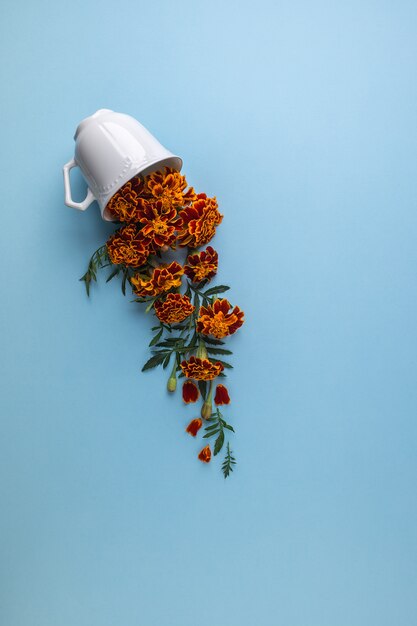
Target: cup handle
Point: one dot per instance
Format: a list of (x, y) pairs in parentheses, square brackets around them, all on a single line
[(82, 206)]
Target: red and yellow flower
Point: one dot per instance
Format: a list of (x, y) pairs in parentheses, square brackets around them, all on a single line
[(218, 320), (205, 454), (128, 246), (123, 205), (174, 309), (197, 222), (222, 395), (168, 187), (194, 426), (190, 392), (158, 224), (163, 278), (201, 369), (202, 266)]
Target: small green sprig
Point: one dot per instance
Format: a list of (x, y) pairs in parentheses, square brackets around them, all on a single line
[(99, 260), (217, 427), (229, 461), (164, 350)]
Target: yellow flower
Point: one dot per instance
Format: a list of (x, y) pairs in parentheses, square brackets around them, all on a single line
[(168, 186), (197, 223), (128, 246), (216, 319), (201, 369), (163, 278), (174, 309)]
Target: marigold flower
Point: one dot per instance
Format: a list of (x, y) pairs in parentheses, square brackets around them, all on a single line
[(158, 225), (222, 395), (128, 246), (216, 319), (205, 455), (201, 369), (197, 223), (123, 205), (190, 392), (174, 309), (163, 278), (194, 426), (202, 265), (168, 187)]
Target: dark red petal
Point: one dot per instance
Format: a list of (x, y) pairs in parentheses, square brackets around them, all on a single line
[(222, 395), (194, 426), (190, 392), (205, 454)]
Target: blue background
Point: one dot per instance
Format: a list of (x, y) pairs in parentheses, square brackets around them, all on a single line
[(301, 117)]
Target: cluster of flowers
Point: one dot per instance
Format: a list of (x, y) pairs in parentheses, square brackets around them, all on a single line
[(158, 213)]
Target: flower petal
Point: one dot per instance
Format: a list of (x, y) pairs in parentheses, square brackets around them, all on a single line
[(194, 426), (222, 395), (190, 392)]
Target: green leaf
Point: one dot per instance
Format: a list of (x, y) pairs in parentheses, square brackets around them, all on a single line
[(193, 342), (98, 260), (124, 282), (196, 302), (214, 342), (219, 443), (218, 351), (166, 361), (213, 426), (169, 341), (155, 360), (113, 274), (216, 290), (211, 434), (157, 337), (229, 461), (229, 427)]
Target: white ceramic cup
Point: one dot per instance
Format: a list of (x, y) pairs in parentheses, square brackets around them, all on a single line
[(111, 148)]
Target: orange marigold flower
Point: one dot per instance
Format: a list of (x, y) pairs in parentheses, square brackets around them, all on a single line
[(128, 246), (138, 185), (205, 455), (123, 205), (190, 392), (163, 278), (216, 319), (194, 426), (158, 224), (197, 223), (202, 265), (222, 395), (201, 369), (168, 187), (174, 309)]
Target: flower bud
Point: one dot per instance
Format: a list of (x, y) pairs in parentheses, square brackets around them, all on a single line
[(207, 410), (172, 380)]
